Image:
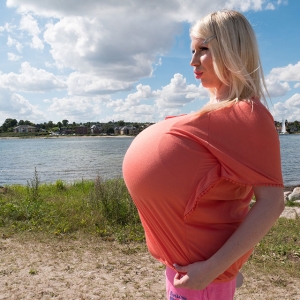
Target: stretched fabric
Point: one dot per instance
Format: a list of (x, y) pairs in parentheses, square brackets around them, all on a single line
[(191, 178)]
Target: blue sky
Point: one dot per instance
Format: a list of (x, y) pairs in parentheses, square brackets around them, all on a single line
[(99, 60)]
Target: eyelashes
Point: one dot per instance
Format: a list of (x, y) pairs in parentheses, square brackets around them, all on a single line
[(200, 49)]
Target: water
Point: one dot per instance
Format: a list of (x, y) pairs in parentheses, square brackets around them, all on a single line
[(69, 159), (76, 158), (290, 158)]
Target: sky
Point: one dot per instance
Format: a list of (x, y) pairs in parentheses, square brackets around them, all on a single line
[(101, 61)]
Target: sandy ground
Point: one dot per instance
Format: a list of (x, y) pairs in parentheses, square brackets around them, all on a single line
[(35, 267)]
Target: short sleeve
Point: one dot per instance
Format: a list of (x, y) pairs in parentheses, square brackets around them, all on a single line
[(244, 140)]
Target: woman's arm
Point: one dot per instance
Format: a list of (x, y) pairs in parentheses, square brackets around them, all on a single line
[(268, 207)]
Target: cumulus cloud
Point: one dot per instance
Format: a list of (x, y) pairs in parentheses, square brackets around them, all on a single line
[(163, 102), (297, 85), (31, 79), (278, 79), (178, 93), (12, 42), (289, 110), (88, 84), (36, 43), (288, 73), (277, 88), (13, 57), (132, 103), (29, 24), (15, 106), (77, 107)]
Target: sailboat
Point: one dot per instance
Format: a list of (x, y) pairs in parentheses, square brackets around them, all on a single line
[(283, 128)]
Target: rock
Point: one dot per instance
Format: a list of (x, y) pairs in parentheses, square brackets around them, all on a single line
[(290, 213), (287, 193), (286, 196), (295, 195)]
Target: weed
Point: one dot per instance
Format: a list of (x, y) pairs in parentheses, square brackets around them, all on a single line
[(59, 184), (32, 272), (33, 186)]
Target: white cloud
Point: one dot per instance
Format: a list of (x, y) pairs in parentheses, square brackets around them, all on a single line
[(13, 57), (277, 88), (178, 93), (86, 84), (297, 85), (288, 73), (12, 42), (138, 113), (270, 6), (36, 43), (132, 103), (31, 79), (278, 79), (16, 106), (289, 110), (7, 27), (105, 48), (75, 108), (29, 24), (164, 102)]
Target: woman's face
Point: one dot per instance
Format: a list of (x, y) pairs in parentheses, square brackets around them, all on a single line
[(203, 66)]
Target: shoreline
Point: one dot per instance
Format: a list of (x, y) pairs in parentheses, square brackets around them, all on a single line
[(65, 136)]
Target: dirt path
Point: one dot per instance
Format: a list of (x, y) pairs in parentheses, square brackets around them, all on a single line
[(33, 267)]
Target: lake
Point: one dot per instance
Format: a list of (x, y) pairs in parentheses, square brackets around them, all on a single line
[(75, 158), (65, 158)]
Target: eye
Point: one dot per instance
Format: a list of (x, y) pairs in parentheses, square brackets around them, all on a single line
[(203, 48)]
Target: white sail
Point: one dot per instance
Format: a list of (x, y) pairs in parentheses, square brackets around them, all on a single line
[(283, 129)]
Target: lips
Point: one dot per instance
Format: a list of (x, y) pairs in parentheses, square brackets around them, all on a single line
[(198, 74)]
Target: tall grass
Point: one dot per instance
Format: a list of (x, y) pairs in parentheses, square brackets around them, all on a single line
[(102, 207)]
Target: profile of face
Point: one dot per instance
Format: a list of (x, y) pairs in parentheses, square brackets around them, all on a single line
[(203, 65)]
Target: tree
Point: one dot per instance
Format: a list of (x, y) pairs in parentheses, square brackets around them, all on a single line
[(59, 125), (121, 123), (50, 124), (9, 124), (65, 123)]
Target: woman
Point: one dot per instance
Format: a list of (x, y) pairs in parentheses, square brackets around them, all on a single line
[(192, 177)]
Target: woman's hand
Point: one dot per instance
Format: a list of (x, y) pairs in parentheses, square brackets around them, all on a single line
[(197, 276)]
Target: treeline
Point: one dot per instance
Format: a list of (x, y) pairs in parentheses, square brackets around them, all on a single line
[(50, 126)]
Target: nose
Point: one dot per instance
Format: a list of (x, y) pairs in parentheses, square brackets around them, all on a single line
[(195, 61)]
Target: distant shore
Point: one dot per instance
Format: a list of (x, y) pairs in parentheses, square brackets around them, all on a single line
[(64, 136)]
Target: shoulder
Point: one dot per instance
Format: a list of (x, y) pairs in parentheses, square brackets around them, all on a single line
[(243, 112)]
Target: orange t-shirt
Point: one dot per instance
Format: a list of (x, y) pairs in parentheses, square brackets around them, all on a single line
[(191, 179)]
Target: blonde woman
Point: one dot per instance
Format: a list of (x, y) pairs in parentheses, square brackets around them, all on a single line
[(192, 177)]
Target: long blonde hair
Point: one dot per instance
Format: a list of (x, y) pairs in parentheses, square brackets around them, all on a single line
[(235, 57)]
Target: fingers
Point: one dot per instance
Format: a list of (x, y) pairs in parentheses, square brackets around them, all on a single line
[(180, 277), (179, 280), (181, 269)]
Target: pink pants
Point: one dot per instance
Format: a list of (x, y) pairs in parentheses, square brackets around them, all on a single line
[(214, 291)]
